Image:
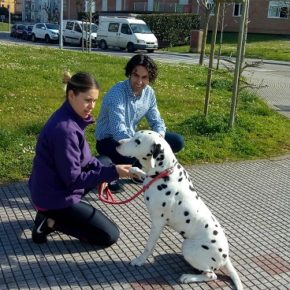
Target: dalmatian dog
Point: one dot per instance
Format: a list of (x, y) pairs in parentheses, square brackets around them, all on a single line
[(172, 201)]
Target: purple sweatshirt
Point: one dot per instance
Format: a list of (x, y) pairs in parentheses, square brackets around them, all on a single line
[(63, 166)]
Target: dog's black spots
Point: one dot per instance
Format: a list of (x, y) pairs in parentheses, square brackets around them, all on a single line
[(177, 193), (160, 158), (215, 233), (178, 166), (163, 186), (213, 259), (147, 198), (179, 203), (205, 247), (216, 226), (160, 163), (183, 234), (164, 204), (220, 249), (197, 196), (162, 215), (168, 193), (213, 241), (144, 158), (167, 220), (180, 179), (225, 255), (187, 221), (191, 188), (206, 226), (180, 173), (166, 178), (153, 176), (186, 213), (156, 172), (137, 141), (148, 155)]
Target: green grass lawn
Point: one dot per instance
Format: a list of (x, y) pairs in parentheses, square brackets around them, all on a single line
[(263, 46), (4, 26), (31, 89)]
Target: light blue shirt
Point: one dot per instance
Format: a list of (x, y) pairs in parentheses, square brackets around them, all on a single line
[(121, 112)]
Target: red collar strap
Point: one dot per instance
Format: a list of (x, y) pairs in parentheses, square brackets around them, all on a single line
[(105, 195)]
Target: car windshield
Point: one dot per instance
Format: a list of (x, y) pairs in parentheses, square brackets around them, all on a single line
[(140, 28), (52, 26), (94, 27)]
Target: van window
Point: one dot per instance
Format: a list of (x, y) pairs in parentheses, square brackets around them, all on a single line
[(125, 29), (77, 27), (140, 28), (113, 27), (69, 25)]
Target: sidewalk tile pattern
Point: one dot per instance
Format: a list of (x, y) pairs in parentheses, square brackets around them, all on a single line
[(251, 200)]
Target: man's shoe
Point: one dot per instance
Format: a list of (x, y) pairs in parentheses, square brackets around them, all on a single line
[(137, 180), (115, 186), (40, 229)]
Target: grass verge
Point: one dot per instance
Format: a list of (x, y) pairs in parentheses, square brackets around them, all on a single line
[(261, 46), (31, 90)]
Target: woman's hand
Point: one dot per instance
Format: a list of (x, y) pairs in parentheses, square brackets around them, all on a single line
[(123, 170)]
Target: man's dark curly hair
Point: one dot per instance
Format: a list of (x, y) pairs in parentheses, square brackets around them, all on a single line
[(144, 60)]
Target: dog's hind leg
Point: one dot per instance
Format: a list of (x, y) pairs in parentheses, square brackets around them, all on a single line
[(204, 277), (156, 229)]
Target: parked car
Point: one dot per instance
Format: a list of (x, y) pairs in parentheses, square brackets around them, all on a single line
[(45, 31), (76, 32), (17, 30), (125, 32), (27, 32)]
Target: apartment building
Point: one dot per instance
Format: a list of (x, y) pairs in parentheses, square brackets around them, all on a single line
[(265, 16)]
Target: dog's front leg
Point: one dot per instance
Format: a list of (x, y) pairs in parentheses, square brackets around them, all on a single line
[(156, 229)]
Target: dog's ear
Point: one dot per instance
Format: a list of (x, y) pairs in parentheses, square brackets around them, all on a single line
[(155, 150)]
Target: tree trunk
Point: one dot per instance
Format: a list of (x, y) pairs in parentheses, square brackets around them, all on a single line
[(211, 59)]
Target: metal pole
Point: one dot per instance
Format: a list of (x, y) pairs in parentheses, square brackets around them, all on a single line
[(9, 19), (61, 25), (90, 28)]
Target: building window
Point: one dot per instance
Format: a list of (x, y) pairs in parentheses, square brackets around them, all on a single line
[(278, 9), (210, 6), (237, 10)]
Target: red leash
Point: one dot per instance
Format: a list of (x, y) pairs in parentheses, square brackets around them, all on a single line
[(105, 195)]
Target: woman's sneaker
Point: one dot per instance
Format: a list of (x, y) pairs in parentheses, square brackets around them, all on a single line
[(115, 186), (40, 229)]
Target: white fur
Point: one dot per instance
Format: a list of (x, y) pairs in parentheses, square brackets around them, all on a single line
[(173, 202)]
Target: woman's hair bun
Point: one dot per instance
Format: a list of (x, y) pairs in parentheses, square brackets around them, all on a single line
[(66, 77)]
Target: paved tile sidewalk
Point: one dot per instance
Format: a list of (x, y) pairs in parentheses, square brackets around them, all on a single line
[(251, 200)]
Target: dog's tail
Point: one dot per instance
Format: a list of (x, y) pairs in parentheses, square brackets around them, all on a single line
[(234, 275)]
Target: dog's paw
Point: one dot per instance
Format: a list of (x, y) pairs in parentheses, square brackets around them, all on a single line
[(139, 261), (204, 277), (138, 172)]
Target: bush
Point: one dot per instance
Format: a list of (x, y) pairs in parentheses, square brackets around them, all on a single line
[(172, 29)]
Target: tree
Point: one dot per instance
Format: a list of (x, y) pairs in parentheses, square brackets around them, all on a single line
[(207, 7)]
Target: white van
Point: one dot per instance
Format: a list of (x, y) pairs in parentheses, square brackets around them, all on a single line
[(76, 32), (126, 33)]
